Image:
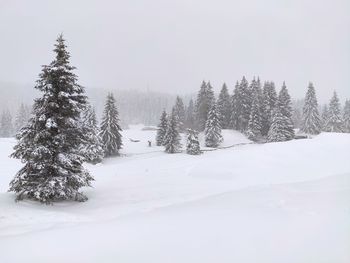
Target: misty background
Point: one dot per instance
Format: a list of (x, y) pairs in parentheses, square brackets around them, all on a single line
[(153, 50)]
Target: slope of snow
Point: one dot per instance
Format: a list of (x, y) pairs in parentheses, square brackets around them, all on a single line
[(278, 202)]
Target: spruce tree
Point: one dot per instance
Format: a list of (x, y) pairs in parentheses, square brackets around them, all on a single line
[(92, 146), (268, 106), (234, 108), (311, 123), (278, 127), (179, 110), (285, 107), (212, 130), (346, 116), (190, 117), (49, 143), (205, 100), (172, 137), (192, 146), (224, 107), (255, 124), (6, 126), (162, 127), (324, 117), (334, 121), (110, 128), (242, 106)]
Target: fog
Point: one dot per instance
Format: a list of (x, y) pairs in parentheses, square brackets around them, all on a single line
[(171, 46)]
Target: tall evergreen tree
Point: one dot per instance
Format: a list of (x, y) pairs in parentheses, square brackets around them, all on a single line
[(110, 128), (346, 116), (311, 122), (92, 146), (179, 110), (255, 123), (162, 128), (224, 107), (269, 104), (22, 117), (212, 131), (190, 118), (6, 126), (192, 146), (285, 107), (49, 143), (277, 132), (324, 117), (334, 121), (172, 137), (205, 99), (234, 108), (242, 105)]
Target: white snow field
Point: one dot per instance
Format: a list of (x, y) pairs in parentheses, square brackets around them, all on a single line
[(275, 203)]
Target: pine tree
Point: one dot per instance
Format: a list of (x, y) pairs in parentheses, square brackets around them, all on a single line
[(179, 110), (346, 116), (242, 105), (6, 127), (49, 143), (224, 107), (162, 127), (334, 121), (22, 117), (234, 108), (192, 146), (205, 99), (285, 107), (92, 146), (212, 131), (311, 123), (269, 104), (190, 118), (172, 137), (255, 124), (278, 127), (324, 117), (110, 128)]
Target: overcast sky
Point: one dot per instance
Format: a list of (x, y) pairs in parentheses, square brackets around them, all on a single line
[(174, 45)]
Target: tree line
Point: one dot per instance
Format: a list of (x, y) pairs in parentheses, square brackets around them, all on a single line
[(258, 111)]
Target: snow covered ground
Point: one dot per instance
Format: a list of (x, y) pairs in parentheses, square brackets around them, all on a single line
[(279, 202)]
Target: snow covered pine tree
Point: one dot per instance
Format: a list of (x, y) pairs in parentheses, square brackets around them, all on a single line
[(110, 128), (334, 122), (172, 137), (311, 123), (48, 143), (224, 107), (162, 127), (192, 146), (255, 122), (285, 106), (6, 126), (179, 109), (92, 146), (212, 128)]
